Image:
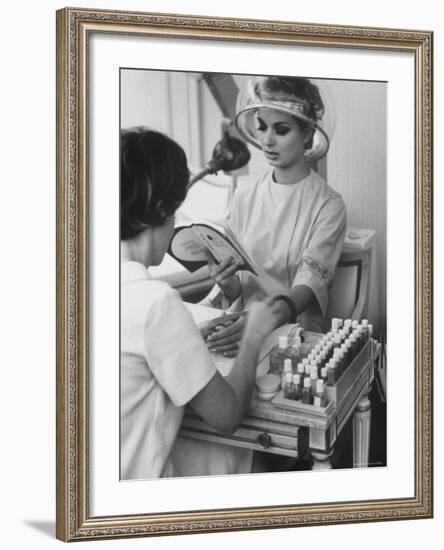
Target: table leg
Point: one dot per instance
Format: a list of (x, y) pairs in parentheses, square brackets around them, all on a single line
[(321, 461), (361, 432)]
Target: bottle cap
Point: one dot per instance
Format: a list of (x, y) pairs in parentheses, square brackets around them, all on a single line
[(283, 342), (300, 368), (305, 361), (287, 365), (307, 382), (307, 369), (319, 385), (364, 322), (370, 329), (347, 323), (324, 372), (314, 373), (354, 323), (296, 379)]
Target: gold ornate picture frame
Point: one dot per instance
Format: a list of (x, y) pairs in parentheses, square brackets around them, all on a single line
[(76, 517)]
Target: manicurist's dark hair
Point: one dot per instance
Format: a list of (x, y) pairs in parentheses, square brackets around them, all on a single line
[(153, 179)]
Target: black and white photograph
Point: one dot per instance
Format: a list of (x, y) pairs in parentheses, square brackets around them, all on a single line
[(253, 262)]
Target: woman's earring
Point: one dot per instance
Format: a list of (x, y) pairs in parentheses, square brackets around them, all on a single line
[(308, 134)]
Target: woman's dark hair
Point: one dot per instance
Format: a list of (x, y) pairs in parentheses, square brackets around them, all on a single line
[(153, 179), (295, 88)]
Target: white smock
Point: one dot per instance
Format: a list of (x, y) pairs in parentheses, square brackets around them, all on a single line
[(164, 364), (295, 234), (156, 381)]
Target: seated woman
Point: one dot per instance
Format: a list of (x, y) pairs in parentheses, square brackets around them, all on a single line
[(291, 222), (164, 361)]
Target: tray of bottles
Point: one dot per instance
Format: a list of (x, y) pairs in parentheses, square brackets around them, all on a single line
[(357, 369), (282, 402), (360, 363)]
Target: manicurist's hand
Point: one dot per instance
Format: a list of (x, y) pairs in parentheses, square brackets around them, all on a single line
[(262, 318), (226, 335), (222, 403), (224, 275)]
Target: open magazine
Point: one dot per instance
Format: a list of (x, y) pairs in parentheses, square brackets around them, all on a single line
[(191, 240)]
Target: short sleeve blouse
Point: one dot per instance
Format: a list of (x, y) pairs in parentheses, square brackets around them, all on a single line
[(158, 339)]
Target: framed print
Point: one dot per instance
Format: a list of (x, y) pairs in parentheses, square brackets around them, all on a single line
[(273, 366)]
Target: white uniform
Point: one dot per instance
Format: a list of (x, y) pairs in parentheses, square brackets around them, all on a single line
[(294, 233), (158, 377), (164, 364)]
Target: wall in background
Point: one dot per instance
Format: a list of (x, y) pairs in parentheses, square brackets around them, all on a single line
[(356, 167)]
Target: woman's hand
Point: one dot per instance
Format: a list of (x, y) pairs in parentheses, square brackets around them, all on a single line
[(263, 317), (257, 323), (225, 334), (224, 275)]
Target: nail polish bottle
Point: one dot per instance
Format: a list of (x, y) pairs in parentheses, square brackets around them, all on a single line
[(335, 324), (300, 369), (324, 374), (331, 373), (288, 368), (288, 385), (364, 325), (307, 393), (320, 396), (314, 377), (297, 387), (295, 353), (278, 355)]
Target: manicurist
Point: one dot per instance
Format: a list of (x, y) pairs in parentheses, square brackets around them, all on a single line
[(165, 364)]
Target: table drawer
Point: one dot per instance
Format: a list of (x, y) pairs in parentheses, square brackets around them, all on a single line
[(255, 434)]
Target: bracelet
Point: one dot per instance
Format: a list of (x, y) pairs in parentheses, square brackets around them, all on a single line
[(290, 304)]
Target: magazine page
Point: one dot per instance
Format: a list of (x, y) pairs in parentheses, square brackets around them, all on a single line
[(191, 242)]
